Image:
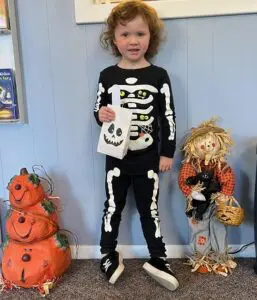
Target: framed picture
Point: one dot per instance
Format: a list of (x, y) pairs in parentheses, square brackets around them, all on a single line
[(9, 108), (96, 11), (4, 18)]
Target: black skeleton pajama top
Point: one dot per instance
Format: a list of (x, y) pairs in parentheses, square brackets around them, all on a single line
[(147, 92)]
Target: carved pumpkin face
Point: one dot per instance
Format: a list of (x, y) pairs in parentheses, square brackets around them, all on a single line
[(113, 136), (25, 190), (31, 226), (33, 264), (207, 147)]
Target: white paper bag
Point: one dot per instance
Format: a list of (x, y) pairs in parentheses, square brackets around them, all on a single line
[(114, 137)]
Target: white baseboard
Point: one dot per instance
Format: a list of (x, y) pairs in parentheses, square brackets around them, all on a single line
[(141, 251)]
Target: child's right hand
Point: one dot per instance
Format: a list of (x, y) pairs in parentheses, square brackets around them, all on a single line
[(106, 114)]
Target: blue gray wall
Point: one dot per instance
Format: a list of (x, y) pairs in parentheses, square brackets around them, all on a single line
[(213, 67)]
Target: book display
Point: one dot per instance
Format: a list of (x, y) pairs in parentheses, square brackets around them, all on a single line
[(8, 96)]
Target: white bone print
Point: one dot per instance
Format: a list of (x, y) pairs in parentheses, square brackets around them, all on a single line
[(153, 207), (111, 209), (168, 113), (98, 100)]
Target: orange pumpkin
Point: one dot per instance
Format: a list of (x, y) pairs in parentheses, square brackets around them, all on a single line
[(45, 208), (25, 190), (31, 225), (34, 264)]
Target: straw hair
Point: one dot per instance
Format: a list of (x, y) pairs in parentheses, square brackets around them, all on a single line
[(204, 130)]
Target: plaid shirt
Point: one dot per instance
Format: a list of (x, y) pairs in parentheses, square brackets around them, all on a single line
[(226, 179)]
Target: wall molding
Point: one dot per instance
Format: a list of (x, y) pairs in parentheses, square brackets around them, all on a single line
[(141, 251)]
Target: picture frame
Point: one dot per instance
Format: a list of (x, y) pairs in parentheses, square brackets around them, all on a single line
[(4, 16), (96, 11)]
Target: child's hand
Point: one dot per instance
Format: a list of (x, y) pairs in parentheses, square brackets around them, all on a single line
[(165, 164), (106, 114)]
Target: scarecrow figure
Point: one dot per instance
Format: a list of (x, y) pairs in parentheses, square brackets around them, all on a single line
[(207, 182)]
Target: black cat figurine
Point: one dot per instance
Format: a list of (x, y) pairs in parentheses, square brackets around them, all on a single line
[(210, 184)]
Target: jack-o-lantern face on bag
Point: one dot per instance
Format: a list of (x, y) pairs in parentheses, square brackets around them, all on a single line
[(113, 136), (33, 264), (25, 190)]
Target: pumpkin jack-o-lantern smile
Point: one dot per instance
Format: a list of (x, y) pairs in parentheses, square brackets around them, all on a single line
[(35, 263), (20, 192), (25, 189), (35, 253), (113, 136), (26, 258), (30, 227), (23, 226)]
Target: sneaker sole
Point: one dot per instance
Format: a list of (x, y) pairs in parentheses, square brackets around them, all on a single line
[(166, 280), (118, 271)]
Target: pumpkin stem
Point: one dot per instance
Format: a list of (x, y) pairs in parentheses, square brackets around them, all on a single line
[(23, 171)]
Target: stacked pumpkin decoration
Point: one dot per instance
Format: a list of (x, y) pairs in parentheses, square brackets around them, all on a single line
[(35, 253)]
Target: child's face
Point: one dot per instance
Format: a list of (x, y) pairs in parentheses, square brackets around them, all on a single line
[(132, 40)]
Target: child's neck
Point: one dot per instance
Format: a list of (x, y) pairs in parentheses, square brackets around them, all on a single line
[(124, 64)]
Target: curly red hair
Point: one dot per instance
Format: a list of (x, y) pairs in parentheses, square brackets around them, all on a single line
[(126, 11)]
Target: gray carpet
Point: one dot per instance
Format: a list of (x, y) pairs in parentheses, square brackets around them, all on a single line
[(85, 281)]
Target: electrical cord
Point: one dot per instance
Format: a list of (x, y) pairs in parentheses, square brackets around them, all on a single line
[(241, 248)]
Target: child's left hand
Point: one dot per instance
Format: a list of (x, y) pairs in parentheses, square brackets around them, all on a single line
[(165, 164)]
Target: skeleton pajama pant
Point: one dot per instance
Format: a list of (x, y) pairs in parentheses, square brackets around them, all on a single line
[(209, 233), (145, 189)]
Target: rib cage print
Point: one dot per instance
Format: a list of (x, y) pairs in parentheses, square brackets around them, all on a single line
[(138, 98)]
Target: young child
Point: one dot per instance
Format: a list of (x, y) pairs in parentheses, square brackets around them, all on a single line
[(134, 33)]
